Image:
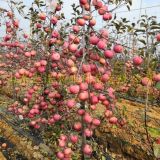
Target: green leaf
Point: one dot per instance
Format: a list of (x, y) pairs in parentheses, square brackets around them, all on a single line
[(152, 17), (142, 41), (124, 19), (128, 7), (158, 86), (142, 24), (130, 2), (13, 2), (154, 132), (103, 158), (156, 148), (140, 30), (133, 24), (115, 16), (156, 43), (155, 27)]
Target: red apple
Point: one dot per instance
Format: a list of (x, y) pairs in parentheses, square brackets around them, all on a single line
[(113, 120), (156, 77), (74, 89), (73, 48), (96, 122), (87, 149), (87, 118), (101, 44), (118, 48), (81, 21), (137, 60), (94, 100), (54, 20), (92, 22), (60, 155), (83, 2), (74, 138), (55, 56), (83, 95), (146, 81), (108, 113), (102, 10), (77, 126), (88, 132), (71, 103), (107, 16), (76, 28), (109, 54), (94, 40), (158, 37), (42, 16), (83, 86)]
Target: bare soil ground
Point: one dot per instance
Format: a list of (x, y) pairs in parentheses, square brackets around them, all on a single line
[(126, 143), (22, 145), (130, 140), (2, 156)]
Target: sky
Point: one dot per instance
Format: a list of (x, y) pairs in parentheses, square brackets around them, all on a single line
[(133, 15)]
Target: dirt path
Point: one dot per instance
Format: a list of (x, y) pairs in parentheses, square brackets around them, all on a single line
[(131, 140), (23, 145), (135, 107), (2, 157)]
